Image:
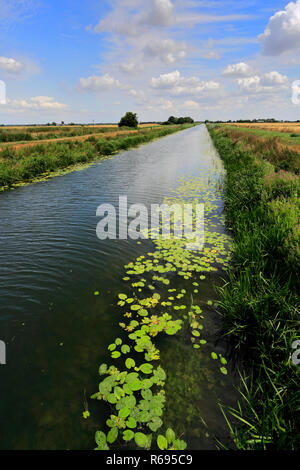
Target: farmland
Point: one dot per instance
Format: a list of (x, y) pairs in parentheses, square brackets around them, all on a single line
[(279, 144), (15, 136), (23, 162)]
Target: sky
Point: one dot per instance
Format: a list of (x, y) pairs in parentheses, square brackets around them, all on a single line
[(94, 60)]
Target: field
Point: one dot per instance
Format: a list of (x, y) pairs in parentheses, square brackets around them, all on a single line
[(288, 127), (280, 147), (17, 136), (285, 134), (22, 162)]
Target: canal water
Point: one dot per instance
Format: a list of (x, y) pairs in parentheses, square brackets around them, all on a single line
[(57, 331)]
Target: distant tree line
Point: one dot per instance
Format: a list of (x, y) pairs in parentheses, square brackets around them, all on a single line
[(178, 120), (241, 121)]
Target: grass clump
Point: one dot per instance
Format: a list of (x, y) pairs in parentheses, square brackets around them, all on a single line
[(260, 303)]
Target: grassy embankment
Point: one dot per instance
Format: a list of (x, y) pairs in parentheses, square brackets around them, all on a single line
[(31, 162), (260, 302), (281, 148), (11, 136)]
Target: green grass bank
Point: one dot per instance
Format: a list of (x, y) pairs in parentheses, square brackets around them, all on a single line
[(32, 162), (259, 303)]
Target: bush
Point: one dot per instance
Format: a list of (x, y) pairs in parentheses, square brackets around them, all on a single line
[(129, 120)]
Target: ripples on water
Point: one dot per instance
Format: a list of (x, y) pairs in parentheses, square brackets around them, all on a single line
[(51, 262)]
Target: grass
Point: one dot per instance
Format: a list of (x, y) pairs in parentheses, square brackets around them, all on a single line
[(260, 303), (11, 136), (31, 162), (267, 145)]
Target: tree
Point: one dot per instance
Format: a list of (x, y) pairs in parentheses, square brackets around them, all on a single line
[(172, 120), (129, 120)]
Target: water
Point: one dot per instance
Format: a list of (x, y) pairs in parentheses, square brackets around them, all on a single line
[(56, 331)]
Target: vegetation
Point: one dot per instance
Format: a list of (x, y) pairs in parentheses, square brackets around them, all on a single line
[(31, 162), (154, 307), (175, 120), (32, 134), (260, 304), (129, 120), (279, 148)]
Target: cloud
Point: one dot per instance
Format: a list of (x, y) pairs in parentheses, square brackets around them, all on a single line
[(269, 82), (190, 104), (176, 85), (282, 33), (167, 50), (193, 19), (160, 13), (10, 65), (237, 70), (162, 105), (16, 10), (212, 55), (97, 83), (37, 103), (106, 83), (167, 80), (131, 18), (275, 79), (131, 68)]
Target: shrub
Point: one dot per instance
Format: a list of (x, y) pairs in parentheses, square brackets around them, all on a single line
[(129, 120)]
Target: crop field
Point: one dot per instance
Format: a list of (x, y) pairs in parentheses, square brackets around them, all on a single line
[(27, 135), (21, 162), (281, 149), (286, 127)]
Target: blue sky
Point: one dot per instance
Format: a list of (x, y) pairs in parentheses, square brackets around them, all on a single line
[(95, 60)]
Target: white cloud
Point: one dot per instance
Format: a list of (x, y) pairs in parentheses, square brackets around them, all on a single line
[(132, 18), (131, 68), (190, 104), (167, 50), (212, 55), (97, 83), (269, 82), (176, 85), (160, 13), (165, 104), (275, 78), (238, 70), (10, 65), (14, 10), (167, 80), (37, 103), (283, 31), (192, 19)]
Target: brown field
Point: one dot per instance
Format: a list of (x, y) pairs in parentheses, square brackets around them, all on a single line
[(288, 127), (18, 146), (61, 128)]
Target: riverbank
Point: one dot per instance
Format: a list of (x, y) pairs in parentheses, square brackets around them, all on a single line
[(260, 305), (43, 160)]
